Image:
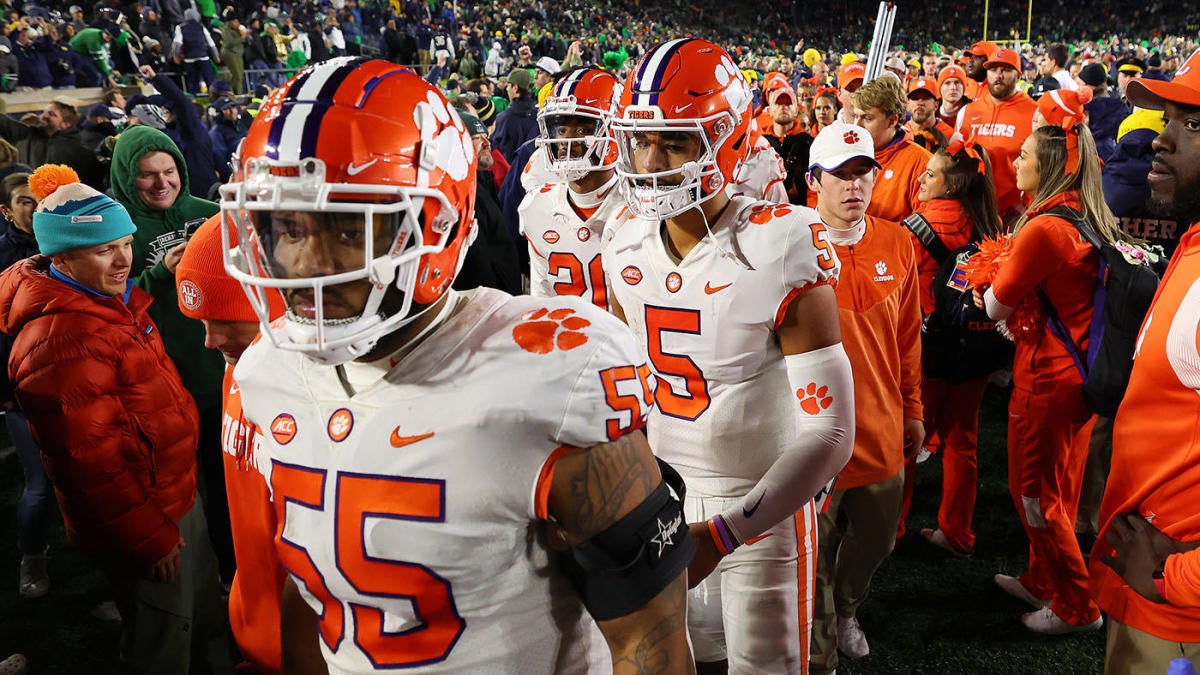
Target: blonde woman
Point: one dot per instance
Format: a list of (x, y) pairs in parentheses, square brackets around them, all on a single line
[(1051, 269)]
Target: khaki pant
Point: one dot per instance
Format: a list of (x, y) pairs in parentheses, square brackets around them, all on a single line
[(1129, 651), (847, 559), (169, 627)]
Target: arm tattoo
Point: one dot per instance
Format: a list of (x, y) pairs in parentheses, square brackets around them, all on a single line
[(659, 649), (611, 480)]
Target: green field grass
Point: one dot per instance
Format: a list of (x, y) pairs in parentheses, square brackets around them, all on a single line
[(928, 612)]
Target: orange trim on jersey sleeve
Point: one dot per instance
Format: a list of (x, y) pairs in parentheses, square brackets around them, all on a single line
[(795, 293), (535, 251), (545, 479)]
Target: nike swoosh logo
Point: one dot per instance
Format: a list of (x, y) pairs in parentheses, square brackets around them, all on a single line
[(353, 170), (399, 441), (754, 540), (709, 289), (748, 512)]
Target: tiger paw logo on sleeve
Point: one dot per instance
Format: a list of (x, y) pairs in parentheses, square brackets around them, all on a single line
[(543, 330), (814, 398)]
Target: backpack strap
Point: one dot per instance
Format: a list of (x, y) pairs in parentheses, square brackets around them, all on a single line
[(1095, 329), (923, 231), (1075, 218)]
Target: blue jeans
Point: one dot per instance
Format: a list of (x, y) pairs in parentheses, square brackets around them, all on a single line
[(37, 501)]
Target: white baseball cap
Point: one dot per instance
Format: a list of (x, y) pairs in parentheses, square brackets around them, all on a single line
[(839, 143), (548, 64)]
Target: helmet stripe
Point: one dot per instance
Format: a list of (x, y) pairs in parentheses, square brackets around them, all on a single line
[(293, 135), (573, 80), (648, 82)]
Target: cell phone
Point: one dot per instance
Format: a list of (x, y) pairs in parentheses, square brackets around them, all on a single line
[(190, 227)]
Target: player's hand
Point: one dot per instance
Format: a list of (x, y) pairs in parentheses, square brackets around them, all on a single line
[(173, 256), (914, 436), (1140, 548), (166, 570), (147, 71), (707, 555)]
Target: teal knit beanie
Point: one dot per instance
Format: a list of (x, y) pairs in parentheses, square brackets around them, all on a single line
[(72, 215)]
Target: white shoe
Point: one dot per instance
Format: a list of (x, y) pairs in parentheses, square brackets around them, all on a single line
[(35, 581), (14, 665), (1045, 621), (938, 538), (851, 640), (1014, 587)]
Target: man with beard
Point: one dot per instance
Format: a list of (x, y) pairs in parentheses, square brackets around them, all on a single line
[(787, 135), (1000, 122), (980, 53), (54, 141), (1143, 569), (927, 130)]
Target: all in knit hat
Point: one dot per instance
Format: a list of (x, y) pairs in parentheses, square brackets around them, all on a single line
[(206, 291), (1057, 105), (72, 215)]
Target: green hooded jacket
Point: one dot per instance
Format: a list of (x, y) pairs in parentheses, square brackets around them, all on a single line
[(159, 231)]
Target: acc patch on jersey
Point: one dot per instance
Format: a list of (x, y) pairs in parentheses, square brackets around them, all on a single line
[(283, 428), (632, 275)]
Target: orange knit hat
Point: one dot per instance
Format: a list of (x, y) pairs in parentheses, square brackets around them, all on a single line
[(205, 289)]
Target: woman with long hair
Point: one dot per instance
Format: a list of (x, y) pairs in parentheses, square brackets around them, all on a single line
[(1051, 271), (958, 202), (824, 110), (36, 505)]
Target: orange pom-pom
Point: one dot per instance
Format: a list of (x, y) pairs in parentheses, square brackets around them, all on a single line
[(983, 266), (50, 177)]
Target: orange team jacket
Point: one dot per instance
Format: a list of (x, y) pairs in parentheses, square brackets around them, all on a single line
[(1154, 469), (897, 184), (948, 220), (258, 582), (880, 316), (766, 127), (1048, 254), (1001, 127)]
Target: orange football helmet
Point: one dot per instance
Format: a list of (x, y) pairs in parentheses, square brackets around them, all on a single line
[(355, 180), (590, 94), (690, 86)]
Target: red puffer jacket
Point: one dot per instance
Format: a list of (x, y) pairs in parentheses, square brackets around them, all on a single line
[(117, 429)]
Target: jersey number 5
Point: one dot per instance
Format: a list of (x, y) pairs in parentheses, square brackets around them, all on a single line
[(357, 498), (691, 405)]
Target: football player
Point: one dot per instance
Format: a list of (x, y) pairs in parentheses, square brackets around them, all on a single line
[(563, 220), (733, 300), (444, 466)]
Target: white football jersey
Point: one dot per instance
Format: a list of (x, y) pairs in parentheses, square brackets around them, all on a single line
[(724, 408), (761, 176), (564, 249), (537, 171), (409, 510)]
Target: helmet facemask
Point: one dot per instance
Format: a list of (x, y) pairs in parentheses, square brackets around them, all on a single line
[(346, 256), (668, 192), (576, 139)]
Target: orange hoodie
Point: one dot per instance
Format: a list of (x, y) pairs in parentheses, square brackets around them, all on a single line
[(1001, 127), (258, 584), (1154, 473), (897, 184), (880, 316), (949, 222)]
